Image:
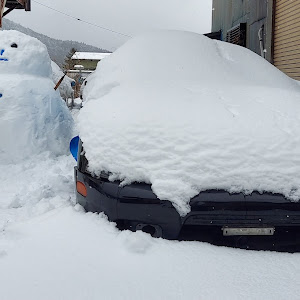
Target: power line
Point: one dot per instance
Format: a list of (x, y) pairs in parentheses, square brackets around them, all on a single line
[(80, 20)]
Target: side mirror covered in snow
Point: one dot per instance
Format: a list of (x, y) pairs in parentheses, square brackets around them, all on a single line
[(74, 144)]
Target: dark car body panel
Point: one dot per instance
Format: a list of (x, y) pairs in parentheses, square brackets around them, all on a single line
[(101, 195), (137, 204), (266, 209), (215, 207)]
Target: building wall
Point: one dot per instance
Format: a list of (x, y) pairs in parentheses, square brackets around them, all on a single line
[(280, 20), (88, 64), (287, 37), (229, 13)]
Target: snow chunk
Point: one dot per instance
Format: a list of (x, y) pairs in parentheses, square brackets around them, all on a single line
[(33, 117), (187, 114), (65, 88), (23, 54)]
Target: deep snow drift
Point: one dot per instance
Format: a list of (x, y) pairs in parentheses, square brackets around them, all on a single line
[(33, 117), (186, 113), (67, 254)]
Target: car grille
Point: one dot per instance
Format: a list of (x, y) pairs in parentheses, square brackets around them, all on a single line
[(249, 219)]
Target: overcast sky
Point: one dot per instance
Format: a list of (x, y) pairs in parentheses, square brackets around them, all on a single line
[(130, 17)]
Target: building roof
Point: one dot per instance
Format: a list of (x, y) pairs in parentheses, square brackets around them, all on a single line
[(19, 4), (90, 55)]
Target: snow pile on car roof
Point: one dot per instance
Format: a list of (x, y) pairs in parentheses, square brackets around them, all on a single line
[(33, 117), (186, 114)]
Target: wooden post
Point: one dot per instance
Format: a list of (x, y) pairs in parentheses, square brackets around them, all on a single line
[(60, 81), (2, 6), (26, 4)]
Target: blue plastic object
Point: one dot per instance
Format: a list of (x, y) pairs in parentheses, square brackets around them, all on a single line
[(1, 53), (1, 95), (74, 144)]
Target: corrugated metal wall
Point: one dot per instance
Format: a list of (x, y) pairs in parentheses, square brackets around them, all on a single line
[(287, 37), (229, 13), (257, 19)]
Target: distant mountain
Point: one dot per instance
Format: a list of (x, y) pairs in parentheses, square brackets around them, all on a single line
[(57, 49)]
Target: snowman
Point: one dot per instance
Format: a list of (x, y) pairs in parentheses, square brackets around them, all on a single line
[(33, 117)]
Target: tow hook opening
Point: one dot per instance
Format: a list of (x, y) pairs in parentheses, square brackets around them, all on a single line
[(153, 230)]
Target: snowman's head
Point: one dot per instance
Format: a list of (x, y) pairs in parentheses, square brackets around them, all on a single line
[(22, 54)]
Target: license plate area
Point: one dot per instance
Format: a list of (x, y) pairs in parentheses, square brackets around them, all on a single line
[(232, 231)]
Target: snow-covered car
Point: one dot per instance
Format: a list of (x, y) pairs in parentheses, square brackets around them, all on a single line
[(179, 130)]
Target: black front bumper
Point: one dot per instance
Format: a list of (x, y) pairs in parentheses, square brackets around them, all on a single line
[(137, 206)]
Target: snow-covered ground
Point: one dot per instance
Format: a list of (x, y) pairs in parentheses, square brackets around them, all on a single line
[(51, 249), (67, 254)]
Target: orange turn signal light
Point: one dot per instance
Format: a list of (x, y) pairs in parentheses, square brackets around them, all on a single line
[(81, 188)]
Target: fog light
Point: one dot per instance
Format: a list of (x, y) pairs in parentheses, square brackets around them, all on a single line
[(81, 188)]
